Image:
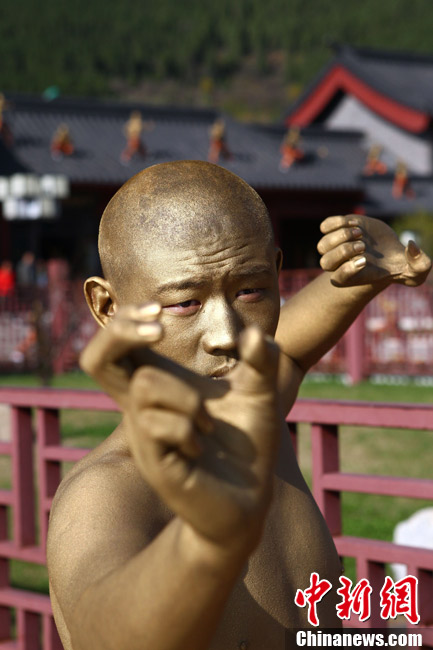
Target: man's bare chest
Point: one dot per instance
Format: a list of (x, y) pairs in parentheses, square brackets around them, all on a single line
[(261, 612)]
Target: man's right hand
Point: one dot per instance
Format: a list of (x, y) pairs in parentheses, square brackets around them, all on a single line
[(107, 357), (206, 446)]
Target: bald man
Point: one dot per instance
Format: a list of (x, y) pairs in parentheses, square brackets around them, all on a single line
[(191, 526)]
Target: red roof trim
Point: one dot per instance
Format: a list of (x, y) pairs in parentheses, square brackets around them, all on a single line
[(341, 79)]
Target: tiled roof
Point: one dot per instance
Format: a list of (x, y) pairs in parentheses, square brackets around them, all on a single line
[(97, 132), (404, 77), (9, 164), (380, 202), (333, 159)]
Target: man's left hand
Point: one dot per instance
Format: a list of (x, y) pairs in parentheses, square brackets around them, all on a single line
[(360, 250)]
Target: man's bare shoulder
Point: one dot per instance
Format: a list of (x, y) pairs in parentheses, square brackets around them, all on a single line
[(102, 515), (106, 477)]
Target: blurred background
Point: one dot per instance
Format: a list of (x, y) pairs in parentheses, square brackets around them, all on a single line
[(322, 107)]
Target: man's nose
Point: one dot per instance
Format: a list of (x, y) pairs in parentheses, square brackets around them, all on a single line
[(222, 327)]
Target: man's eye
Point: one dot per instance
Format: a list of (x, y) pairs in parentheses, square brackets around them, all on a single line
[(186, 308), (250, 295)]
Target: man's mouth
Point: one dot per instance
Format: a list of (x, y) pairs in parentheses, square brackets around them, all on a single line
[(222, 372)]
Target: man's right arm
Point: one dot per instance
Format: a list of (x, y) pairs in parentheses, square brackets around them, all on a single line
[(119, 579)]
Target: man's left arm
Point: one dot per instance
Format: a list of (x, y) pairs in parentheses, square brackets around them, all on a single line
[(361, 256)]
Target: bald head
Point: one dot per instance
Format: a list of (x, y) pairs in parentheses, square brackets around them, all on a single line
[(173, 203)]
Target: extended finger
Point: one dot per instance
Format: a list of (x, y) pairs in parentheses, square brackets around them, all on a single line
[(259, 353), (340, 221), (338, 237), (344, 252), (152, 387), (130, 328)]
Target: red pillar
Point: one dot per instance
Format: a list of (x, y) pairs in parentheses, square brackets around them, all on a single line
[(58, 276), (325, 457), (355, 350)]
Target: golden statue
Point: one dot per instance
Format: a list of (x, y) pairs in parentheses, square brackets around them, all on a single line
[(291, 150), (218, 145), (133, 131), (401, 185), (191, 526), (374, 164), (62, 144)]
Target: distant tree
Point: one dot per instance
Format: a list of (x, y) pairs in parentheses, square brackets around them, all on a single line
[(83, 46)]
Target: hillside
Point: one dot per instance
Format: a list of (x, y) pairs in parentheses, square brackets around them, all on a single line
[(246, 56)]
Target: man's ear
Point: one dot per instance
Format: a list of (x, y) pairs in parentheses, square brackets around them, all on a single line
[(279, 259), (100, 298)]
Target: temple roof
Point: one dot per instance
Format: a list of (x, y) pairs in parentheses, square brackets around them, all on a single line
[(396, 85), (331, 162), (379, 201)]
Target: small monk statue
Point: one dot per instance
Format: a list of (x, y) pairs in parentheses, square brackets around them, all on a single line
[(374, 164), (62, 144), (133, 130), (218, 146), (401, 186), (291, 150)]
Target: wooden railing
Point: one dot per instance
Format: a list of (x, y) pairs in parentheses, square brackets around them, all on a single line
[(32, 441), (329, 483)]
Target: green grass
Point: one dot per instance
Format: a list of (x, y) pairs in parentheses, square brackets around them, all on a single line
[(76, 379), (362, 450), (406, 391), (377, 451)]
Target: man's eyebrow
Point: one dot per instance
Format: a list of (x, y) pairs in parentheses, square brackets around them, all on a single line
[(199, 283), (181, 285), (258, 269)]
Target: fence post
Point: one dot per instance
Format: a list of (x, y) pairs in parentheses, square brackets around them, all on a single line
[(355, 349), (324, 448), (23, 480), (58, 272), (28, 630), (50, 636), (48, 433), (375, 574)]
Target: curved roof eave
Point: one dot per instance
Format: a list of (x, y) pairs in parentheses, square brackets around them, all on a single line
[(340, 78)]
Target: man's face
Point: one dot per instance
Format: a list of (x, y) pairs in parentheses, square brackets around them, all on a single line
[(210, 289)]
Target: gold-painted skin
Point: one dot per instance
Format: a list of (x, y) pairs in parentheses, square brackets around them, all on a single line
[(191, 526)]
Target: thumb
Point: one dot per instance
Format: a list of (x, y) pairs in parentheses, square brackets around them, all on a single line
[(259, 357), (417, 260)]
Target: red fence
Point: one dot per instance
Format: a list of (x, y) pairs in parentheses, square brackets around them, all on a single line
[(35, 443), (44, 330), (329, 483), (393, 335)]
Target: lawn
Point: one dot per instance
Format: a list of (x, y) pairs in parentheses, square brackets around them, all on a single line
[(365, 450)]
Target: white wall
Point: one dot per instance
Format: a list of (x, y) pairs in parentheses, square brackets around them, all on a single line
[(398, 144)]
